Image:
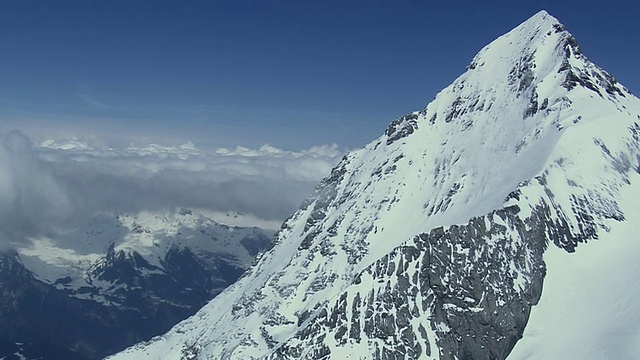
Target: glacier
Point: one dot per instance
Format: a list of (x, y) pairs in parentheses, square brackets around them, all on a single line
[(484, 226)]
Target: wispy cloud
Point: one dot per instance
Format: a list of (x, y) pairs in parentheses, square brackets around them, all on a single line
[(92, 101), (86, 92)]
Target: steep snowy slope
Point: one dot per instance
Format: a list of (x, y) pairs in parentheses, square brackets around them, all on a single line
[(429, 242)]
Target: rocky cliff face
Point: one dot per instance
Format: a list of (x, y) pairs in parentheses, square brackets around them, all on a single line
[(128, 278), (430, 242), (473, 285)]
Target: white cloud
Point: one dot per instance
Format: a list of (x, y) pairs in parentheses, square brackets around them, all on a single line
[(31, 196), (58, 183)]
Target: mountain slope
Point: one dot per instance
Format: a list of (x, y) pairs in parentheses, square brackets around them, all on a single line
[(430, 241)]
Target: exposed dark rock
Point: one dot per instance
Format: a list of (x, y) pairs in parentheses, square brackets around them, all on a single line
[(401, 127)]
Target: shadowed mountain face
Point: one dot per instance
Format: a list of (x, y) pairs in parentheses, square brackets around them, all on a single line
[(60, 302)]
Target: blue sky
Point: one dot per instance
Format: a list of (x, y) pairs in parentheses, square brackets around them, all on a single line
[(292, 74)]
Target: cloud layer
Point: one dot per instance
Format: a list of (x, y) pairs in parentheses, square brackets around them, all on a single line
[(59, 183)]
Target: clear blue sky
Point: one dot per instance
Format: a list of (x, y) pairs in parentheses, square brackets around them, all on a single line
[(289, 73)]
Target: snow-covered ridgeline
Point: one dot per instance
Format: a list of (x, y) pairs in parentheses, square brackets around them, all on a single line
[(524, 123)]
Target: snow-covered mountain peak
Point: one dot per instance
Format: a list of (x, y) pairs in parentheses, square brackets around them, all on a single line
[(501, 154), (496, 124)]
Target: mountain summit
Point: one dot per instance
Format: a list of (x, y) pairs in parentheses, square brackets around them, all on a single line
[(434, 241)]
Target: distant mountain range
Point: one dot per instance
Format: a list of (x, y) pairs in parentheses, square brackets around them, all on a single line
[(117, 280)]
